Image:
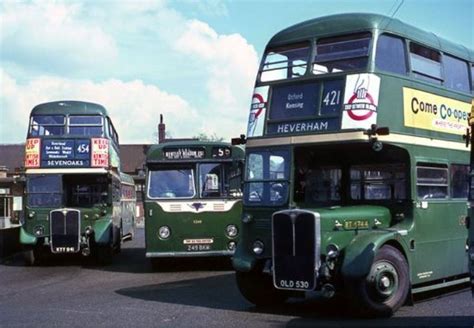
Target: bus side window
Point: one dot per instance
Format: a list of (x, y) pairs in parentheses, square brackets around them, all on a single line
[(456, 73), (425, 63), (432, 181), (390, 55)]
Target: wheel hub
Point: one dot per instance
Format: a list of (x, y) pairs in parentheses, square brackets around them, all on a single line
[(383, 280)]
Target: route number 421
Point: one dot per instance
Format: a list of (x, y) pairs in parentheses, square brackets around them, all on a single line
[(332, 98)]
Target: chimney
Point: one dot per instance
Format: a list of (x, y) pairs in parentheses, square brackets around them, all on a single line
[(161, 130)]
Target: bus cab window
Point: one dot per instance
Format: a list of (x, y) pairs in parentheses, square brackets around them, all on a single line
[(210, 179), (171, 184), (322, 185)]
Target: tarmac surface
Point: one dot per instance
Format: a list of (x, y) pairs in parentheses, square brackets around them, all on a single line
[(74, 292)]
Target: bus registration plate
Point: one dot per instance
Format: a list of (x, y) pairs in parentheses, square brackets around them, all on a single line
[(198, 245)]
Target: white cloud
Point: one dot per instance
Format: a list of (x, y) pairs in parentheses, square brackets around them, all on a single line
[(53, 35), (133, 106), (231, 64), (149, 41)]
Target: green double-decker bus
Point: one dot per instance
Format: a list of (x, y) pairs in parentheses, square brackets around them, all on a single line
[(193, 199), (470, 220), (77, 200), (355, 173)]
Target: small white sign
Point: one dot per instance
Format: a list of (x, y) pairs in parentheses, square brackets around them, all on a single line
[(257, 112), (361, 98)]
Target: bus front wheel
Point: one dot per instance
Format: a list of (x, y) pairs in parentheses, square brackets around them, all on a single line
[(258, 288), (384, 290), (32, 256)]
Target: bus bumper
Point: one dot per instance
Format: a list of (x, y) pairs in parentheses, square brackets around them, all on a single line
[(188, 254)]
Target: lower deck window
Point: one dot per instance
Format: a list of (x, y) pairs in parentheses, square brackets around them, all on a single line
[(432, 182)]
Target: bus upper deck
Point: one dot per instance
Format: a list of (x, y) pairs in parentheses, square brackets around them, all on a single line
[(71, 134), (325, 76)]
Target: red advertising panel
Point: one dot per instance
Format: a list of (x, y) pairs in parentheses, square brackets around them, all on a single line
[(100, 152), (32, 152)]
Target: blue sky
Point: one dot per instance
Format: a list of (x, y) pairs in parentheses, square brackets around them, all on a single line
[(193, 61)]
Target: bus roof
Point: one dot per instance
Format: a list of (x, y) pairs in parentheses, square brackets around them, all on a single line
[(156, 151), (69, 107), (359, 22)]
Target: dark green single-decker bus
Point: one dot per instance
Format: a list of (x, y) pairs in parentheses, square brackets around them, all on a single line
[(193, 199)]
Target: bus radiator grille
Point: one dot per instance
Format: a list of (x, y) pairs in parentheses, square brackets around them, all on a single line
[(65, 231)]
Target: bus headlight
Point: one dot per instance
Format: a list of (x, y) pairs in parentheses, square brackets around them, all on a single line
[(231, 231), (258, 247), (89, 231), (164, 232), (39, 231), (332, 251)]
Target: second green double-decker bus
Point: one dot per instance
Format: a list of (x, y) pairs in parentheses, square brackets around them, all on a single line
[(77, 200), (193, 199), (355, 179)]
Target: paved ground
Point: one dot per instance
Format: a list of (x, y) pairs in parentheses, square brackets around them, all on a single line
[(69, 292)]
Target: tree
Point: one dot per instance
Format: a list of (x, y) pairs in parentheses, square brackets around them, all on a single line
[(204, 137)]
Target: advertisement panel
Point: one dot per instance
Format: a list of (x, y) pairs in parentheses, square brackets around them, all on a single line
[(427, 111), (32, 152)]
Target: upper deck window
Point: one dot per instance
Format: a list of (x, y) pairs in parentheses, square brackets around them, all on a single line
[(46, 125), (86, 125), (285, 63), (425, 63), (456, 73), (390, 55), (341, 53)]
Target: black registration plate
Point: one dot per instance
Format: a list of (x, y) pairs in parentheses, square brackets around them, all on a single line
[(65, 231)]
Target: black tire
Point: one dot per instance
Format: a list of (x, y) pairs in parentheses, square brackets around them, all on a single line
[(32, 256), (258, 288), (103, 254), (385, 289)]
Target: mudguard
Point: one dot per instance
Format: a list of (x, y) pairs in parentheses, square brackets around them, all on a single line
[(243, 262), (103, 231), (26, 238), (360, 253)]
